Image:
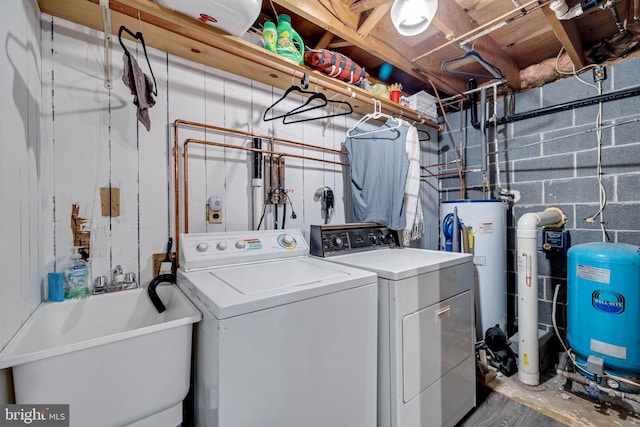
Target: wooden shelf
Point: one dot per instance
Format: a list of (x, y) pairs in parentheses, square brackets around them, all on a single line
[(179, 35)]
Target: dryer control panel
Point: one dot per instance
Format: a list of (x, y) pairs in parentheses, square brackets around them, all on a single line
[(328, 240), (205, 250)]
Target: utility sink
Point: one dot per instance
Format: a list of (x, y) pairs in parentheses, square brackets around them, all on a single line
[(112, 357)]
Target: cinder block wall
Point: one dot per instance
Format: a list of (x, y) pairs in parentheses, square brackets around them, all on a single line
[(551, 160)]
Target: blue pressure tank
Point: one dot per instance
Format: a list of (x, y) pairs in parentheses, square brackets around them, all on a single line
[(603, 305)]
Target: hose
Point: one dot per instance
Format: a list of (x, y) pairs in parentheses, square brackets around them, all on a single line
[(448, 230)]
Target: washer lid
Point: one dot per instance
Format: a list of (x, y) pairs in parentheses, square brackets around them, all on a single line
[(244, 288), (400, 263)]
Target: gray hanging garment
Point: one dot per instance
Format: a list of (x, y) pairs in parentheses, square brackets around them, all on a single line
[(141, 87), (379, 166)]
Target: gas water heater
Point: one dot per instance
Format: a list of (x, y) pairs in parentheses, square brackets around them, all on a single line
[(485, 222)]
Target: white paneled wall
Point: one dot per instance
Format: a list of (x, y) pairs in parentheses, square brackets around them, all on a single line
[(21, 169), (63, 136), (95, 141)]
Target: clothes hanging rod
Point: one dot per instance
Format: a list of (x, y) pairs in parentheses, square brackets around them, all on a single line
[(142, 13)]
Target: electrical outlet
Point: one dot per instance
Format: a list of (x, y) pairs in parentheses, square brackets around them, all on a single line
[(599, 73), (213, 217)]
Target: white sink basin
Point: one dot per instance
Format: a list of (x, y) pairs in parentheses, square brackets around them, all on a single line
[(112, 357)]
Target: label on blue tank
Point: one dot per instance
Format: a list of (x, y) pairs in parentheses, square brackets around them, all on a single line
[(595, 274), (608, 349), (608, 302)]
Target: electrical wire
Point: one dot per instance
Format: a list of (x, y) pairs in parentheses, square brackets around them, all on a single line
[(574, 72), (264, 210), (602, 192)]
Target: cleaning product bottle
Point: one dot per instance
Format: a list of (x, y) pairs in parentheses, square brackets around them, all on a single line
[(269, 36), (76, 276), (287, 39)]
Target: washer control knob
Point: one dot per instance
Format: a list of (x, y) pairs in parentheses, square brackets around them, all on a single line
[(222, 245), (373, 238), (390, 239), (202, 247), (381, 238), (240, 244), (336, 241), (287, 240)]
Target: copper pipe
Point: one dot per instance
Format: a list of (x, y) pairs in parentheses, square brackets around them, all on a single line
[(260, 150), (256, 135), (176, 192), (185, 169), (176, 179)]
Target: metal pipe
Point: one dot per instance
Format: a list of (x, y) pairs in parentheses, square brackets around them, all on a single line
[(176, 169), (483, 130), (262, 150), (612, 96), (237, 147), (256, 135), (586, 381)]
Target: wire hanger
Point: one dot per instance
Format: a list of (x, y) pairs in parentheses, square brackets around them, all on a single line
[(313, 96), (329, 102), (494, 71), (377, 114), (138, 36)]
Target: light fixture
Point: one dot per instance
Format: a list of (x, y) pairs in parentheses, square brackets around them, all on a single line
[(411, 17)]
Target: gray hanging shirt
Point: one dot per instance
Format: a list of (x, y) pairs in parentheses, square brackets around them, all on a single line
[(379, 167)]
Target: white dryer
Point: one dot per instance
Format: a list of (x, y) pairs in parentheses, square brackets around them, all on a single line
[(426, 355), (286, 339)]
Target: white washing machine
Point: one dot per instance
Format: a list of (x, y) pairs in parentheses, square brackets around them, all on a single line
[(286, 339), (426, 355)]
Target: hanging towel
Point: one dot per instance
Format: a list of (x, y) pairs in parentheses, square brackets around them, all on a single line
[(414, 224), (378, 167), (141, 87)]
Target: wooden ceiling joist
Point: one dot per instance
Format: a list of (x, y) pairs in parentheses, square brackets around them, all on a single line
[(372, 20), (364, 5), (567, 34)]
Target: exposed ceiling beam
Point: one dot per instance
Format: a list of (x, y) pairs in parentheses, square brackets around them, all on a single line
[(363, 5), (322, 14), (568, 35), (325, 40), (339, 44), (448, 20), (372, 20)]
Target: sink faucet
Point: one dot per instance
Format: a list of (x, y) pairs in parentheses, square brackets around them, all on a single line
[(117, 276)]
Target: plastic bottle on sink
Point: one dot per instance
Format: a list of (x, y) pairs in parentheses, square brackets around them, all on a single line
[(76, 276)]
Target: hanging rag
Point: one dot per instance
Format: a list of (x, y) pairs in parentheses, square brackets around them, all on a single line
[(414, 223), (378, 169), (141, 87)]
